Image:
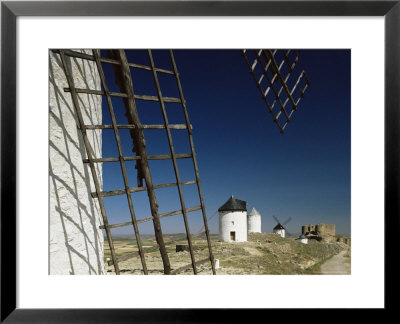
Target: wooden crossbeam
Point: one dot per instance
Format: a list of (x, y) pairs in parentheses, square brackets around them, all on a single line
[(110, 61), (195, 166), (68, 75), (122, 161), (137, 189), (267, 60), (143, 220), (134, 158), (124, 95), (170, 126), (275, 119), (174, 159), (124, 81), (272, 62)]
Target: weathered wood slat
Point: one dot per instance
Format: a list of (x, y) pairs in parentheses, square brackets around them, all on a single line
[(113, 159), (143, 220), (275, 69), (177, 212), (302, 91), (111, 61), (168, 156), (68, 75), (124, 82), (98, 92), (275, 119), (171, 126), (124, 95), (133, 158), (286, 55), (137, 189), (155, 98), (195, 166), (174, 158), (271, 60), (281, 89), (122, 161)]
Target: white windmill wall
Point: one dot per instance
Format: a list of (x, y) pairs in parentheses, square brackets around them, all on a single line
[(254, 223), (281, 232), (75, 242), (304, 240), (233, 221)]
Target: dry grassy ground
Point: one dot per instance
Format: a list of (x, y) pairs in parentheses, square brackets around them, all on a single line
[(261, 254)]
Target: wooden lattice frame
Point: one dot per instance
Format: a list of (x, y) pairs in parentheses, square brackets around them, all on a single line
[(136, 128), (271, 71)]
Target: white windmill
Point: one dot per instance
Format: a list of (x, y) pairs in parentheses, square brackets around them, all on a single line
[(254, 221), (279, 228)]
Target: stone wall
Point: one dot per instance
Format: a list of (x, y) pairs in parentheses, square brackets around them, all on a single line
[(75, 241), (324, 232), (320, 229), (325, 229), (345, 240), (308, 229)]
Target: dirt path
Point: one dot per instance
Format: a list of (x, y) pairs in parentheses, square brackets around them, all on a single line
[(338, 264)]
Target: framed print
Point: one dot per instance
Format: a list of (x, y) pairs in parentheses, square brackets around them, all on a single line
[(354, 44)]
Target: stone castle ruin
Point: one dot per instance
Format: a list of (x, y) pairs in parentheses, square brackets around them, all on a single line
[(323, 232), (320, 230)]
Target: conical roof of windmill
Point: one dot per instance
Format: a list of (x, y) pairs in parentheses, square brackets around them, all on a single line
[(233, 204), (279, 226), (254, 212)]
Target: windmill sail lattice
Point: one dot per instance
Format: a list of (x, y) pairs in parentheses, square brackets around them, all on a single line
[(280, 225), (122, 69), (272, 71)]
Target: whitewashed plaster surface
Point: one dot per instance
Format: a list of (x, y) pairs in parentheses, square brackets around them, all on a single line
[(281, 232), (254, 223), (75, 241), (233, 221), (304, 241)]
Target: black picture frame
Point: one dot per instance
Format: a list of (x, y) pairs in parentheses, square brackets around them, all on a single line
[(10, 10)]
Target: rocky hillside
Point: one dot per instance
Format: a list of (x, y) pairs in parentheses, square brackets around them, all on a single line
[(261, 254)]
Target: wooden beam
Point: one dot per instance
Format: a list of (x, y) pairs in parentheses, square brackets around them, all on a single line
[(121, 160), (86, 142), (137, 189), (171, 126), (195, 166), (174, 158), (134, 158), (124, 81), (143, 220)]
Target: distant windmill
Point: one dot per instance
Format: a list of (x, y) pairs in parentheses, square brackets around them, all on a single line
[(279, 228)]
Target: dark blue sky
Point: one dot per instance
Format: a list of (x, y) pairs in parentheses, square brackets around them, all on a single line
[(303, 174)]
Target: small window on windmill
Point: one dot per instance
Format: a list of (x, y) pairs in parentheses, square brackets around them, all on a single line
[(233, 223)]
